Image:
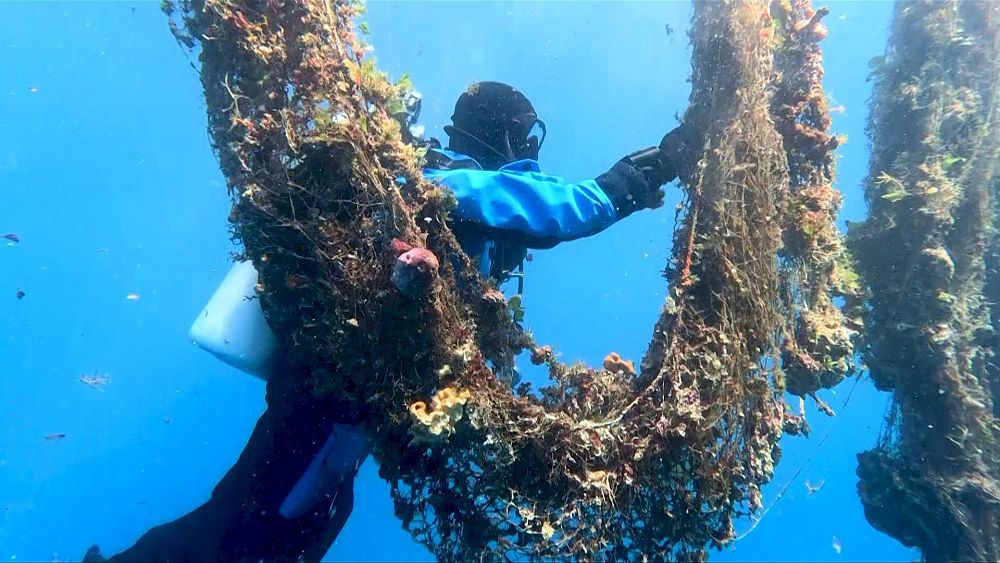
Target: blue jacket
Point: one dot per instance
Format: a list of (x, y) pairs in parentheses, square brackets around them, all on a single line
[(517, 207)]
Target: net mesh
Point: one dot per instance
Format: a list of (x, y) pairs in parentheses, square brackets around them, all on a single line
[(925, 255), (370, 292)]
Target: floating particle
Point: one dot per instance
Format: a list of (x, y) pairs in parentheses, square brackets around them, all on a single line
[(12, 237), (95, 381), (132, 297), (33, 89), (668, 29), (814, 488), (56, 436), (529, 257), (836, 545), (20, 294)]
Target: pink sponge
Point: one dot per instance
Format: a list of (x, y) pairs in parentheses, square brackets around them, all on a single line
[(415, 271)]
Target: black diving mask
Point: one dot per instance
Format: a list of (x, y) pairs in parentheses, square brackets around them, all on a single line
[(532, 139)]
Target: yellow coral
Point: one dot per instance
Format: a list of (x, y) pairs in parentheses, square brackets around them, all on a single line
[(436, 423)]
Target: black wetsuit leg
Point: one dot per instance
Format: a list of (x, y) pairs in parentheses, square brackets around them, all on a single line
[(240, 522)]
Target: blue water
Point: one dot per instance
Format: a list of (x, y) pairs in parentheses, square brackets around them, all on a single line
[(107, 176)]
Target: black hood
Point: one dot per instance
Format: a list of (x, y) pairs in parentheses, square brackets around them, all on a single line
[(492, 123)]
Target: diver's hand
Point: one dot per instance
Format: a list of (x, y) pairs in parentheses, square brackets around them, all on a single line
[(633, 183), (676, 149)]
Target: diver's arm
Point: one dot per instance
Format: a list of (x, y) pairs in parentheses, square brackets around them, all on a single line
[(528, 202), (519, 198), (634, 182)]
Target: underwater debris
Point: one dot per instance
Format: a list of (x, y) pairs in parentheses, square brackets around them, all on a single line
[(924, 256), (20, 294), (515, 308), (495, 299), (95, 381), (819, 355), (795, 425), (896, 191), (830, 353), (616, 364), (435, 423), (541, 355), (12, 237), (54, 437), (814, 488), (599, 464), (295, 281), (415, 271), (132, 297)]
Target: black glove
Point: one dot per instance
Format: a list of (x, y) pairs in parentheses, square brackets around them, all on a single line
[(676, 150), (633, 183), (629, 187)]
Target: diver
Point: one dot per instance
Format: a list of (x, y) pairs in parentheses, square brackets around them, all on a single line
[(291, 491)]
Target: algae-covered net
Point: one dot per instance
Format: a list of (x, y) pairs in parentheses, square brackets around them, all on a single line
[(928, 255), (372, 296)]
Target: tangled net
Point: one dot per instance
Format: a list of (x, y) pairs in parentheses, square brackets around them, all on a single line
[(929, 257), (376, 302), (819, 352)]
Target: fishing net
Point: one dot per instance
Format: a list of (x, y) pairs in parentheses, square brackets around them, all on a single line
[(370, 292), (816, 267), (928, 254)]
